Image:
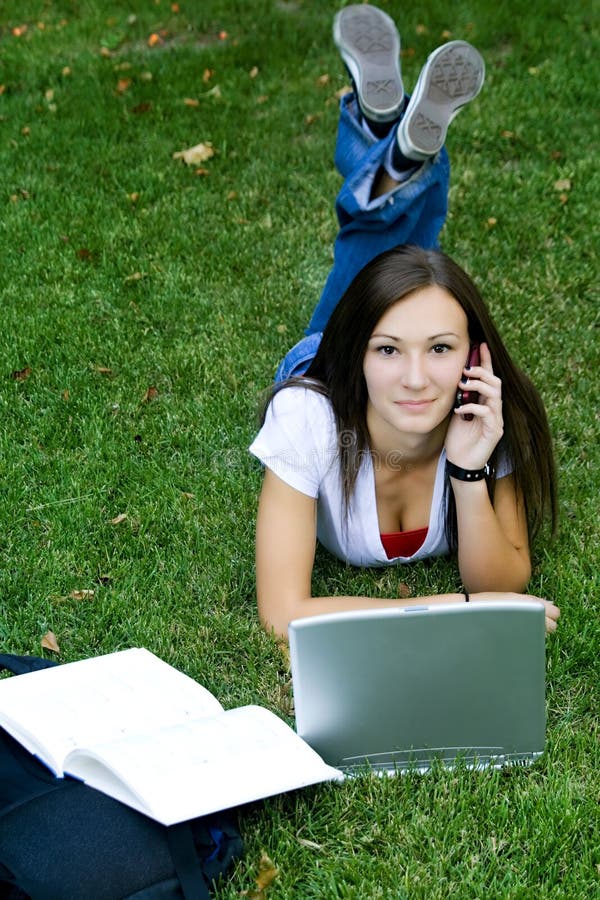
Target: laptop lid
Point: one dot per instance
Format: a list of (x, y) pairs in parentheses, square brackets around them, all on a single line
[(395, 688)]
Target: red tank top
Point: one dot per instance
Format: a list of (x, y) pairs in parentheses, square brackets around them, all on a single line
[(403, 543)]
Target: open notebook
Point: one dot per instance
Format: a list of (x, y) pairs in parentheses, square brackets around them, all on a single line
[(396, 688)]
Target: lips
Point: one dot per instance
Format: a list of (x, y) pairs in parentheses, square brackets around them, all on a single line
[(413, 404)]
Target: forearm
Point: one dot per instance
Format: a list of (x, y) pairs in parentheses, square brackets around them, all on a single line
[(488, 558), (277, 623), (278, 619)]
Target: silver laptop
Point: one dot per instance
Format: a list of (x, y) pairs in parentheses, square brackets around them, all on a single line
[(393, 689)]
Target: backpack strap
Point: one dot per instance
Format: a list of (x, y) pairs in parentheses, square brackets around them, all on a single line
[(186, 861), (21, 665)]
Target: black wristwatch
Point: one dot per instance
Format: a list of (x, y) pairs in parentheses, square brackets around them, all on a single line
[(467, 474)]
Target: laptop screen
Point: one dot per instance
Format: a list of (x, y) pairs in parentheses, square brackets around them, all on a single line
[(396, 688)]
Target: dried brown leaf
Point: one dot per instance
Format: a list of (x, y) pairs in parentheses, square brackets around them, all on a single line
[(193, 156), (21, 374), (84, 594), (49, 642), (312, 845), (403, 590), (150, 395), (118, 519), (267, 872), (563, 184), (343, 91)]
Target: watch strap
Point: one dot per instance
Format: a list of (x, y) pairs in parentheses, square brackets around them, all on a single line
[(466, 474)]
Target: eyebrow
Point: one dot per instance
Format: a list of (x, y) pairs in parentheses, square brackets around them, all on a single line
[(433, 337)]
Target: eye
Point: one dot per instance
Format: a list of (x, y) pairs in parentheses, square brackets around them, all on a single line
[(386, 350), (441, 348)]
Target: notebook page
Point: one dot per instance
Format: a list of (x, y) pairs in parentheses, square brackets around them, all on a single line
[(55, 710), (189, 770)]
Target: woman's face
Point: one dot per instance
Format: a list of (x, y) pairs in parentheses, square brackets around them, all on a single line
[(414, 361)]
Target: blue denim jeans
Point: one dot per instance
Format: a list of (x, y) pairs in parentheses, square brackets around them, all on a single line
[(412, 213)]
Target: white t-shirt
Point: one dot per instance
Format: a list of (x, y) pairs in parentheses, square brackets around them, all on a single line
[(298, 442)]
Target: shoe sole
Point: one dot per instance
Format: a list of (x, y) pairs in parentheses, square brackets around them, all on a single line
[(452, 76), (369, 44)]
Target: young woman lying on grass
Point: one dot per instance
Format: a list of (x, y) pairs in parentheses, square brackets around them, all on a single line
[(364, 446)]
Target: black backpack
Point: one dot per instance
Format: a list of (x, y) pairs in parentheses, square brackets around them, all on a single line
[(62, 840)]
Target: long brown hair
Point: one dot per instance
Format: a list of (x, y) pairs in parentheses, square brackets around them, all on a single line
[(337, 372)]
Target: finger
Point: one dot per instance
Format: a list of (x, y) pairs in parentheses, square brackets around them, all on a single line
[(482, 411), (481, 376), (491, 391), (485, 356)]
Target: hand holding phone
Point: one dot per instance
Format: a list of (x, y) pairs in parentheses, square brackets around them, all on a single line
[(463, 396)]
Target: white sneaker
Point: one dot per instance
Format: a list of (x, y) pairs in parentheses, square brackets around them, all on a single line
[(369, 43), (452, 76)]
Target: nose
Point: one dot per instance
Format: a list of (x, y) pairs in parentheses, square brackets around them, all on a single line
[(414, 373)]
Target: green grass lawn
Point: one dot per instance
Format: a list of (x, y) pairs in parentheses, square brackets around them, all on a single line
[(145, 304)]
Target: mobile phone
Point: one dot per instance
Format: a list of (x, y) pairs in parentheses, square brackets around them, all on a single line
[(462, 396)]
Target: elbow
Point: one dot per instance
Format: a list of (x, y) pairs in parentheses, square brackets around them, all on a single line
[(509, 582), (520, 575), (526, 575), (514, 578), (276, 617), (274, 625)]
